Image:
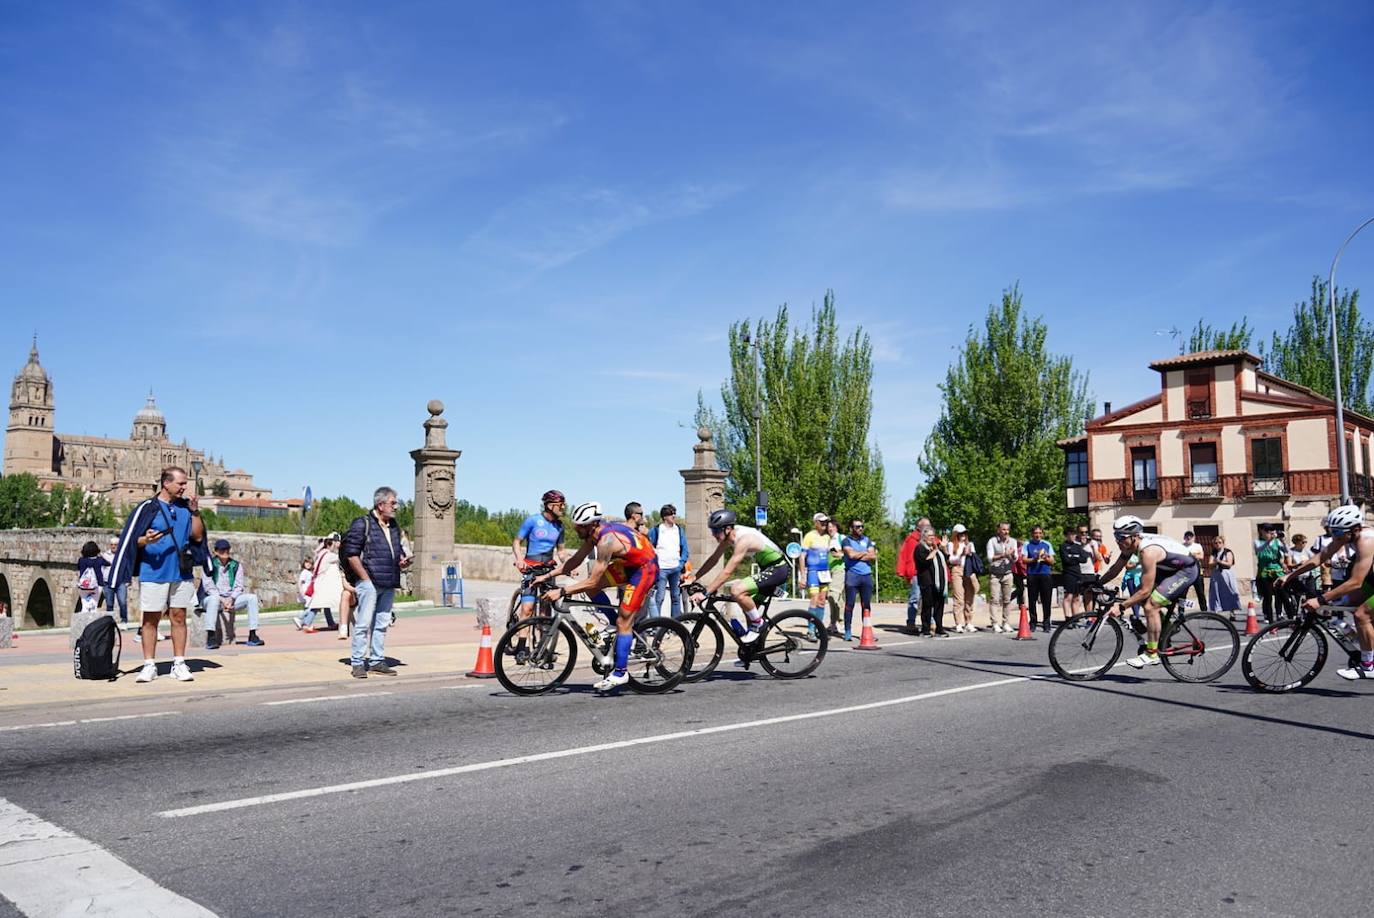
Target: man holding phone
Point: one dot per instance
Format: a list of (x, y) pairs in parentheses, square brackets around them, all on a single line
[(162, 543)]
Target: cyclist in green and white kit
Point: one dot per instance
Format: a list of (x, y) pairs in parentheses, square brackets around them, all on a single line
[(749, 545)]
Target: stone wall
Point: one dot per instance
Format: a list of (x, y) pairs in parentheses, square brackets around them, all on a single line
[(37, 560)]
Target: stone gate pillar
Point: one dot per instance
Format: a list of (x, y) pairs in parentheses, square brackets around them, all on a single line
[(435, 470), (703, 487)]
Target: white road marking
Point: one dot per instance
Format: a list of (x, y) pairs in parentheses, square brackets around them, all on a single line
[(46, 870), (577, 751), (325, 698), (87, 720)]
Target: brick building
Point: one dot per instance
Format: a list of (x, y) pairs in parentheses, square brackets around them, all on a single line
[(1221, 447)]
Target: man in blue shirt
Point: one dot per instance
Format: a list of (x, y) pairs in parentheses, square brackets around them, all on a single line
[(1039, 556), (542, 535), (859, 556), (164, 532)]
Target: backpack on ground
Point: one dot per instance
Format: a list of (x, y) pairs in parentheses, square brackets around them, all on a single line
[(97, 650)]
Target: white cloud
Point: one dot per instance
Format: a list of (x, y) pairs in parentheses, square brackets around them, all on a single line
[(551, 227)]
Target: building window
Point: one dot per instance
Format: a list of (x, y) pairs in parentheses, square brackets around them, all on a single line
[(1267, 457), (1197, 389), (1144, 479), (1078, 467), (1204, 459)]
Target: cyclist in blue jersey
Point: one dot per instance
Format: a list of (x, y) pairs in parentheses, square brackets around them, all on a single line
[(542, 535)]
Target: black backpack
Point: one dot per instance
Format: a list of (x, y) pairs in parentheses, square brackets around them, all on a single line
[(97, 650)]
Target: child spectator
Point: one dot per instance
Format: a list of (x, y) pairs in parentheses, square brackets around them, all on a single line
[(90, 579)]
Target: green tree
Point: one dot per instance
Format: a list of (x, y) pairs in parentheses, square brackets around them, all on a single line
[(992, 454), (1204, 337), (220, 488), (25, 505), (476, 525), (1303, 354), (816, 399)]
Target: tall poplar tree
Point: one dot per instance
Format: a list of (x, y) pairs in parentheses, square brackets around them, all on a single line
[(815, 392), (992, 454), (1303, 354), (1204, 337)]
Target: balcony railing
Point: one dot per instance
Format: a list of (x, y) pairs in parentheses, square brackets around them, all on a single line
[(1268, 486), (1199, 409), (1203, 489)]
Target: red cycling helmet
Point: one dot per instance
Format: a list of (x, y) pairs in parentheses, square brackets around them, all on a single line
[(553, 497)]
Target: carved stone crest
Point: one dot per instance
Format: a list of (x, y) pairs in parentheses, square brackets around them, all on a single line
[(439, 490)]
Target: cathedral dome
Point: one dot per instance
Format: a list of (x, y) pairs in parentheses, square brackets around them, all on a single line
[(33, 370), (149, 413)]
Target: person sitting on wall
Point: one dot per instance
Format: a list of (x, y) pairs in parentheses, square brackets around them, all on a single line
[(224, 589)]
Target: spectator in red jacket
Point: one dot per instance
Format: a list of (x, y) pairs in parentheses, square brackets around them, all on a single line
[(906, 567)]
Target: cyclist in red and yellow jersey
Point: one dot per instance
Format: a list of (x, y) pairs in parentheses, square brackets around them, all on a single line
[(624, 557)]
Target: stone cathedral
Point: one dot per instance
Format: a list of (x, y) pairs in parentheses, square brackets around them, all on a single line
[(122, 471)]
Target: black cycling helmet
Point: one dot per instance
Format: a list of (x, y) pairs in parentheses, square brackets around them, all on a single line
[(553, 497), (721, 519)]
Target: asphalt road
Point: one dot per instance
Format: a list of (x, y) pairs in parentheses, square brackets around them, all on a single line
[(953, 777)]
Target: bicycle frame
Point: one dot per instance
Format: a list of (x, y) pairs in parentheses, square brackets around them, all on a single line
[(710, 604), (1308, 619), (1103, 600)]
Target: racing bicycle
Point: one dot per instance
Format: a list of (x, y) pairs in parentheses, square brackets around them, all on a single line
[(1287, 654), (789, 646), (1193, 646), (536, 654), (527, 576)]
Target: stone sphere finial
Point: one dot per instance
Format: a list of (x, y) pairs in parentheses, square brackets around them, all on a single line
[(703, 434), (435, 407)]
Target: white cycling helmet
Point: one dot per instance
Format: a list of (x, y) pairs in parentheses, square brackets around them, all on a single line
[(1124, 527), (1343, 519), (586, 514)]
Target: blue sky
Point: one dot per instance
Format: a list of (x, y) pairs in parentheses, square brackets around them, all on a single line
[(298, 223)]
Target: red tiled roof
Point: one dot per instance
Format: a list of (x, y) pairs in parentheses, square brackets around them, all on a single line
[(1203, 359)]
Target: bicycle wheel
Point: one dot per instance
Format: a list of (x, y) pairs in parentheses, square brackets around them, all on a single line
[(1085, 646), (1199, 647), (1284, 656), (513, 613), (660, 656), (792, 645), (535, 656), (708, 641)]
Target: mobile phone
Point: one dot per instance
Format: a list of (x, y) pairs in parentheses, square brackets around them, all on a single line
[(163, 532)]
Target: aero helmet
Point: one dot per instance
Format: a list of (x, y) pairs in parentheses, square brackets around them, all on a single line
[(586, 514), (721, 519), (1343, 519)]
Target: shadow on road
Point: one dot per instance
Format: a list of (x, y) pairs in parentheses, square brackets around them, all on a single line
[(1101, 686)]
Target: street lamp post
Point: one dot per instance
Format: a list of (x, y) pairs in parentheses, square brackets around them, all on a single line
[(1341, 463), (759, 499)]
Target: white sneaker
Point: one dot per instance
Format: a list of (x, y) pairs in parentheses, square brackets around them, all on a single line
[(612, 681), (1140, 661), (296, 620), (1356, 672), (749, 636), (148, 673), (970, 629), (181, 673)]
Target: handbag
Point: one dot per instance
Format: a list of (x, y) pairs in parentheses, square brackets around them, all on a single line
[(973, 564)]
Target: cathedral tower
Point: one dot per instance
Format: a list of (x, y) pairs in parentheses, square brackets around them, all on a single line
[(29, 438)]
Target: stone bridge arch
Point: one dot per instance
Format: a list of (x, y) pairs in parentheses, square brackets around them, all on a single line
[(40, 606)]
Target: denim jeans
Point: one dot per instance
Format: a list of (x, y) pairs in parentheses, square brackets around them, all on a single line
[(913, 603), (121, 596), (370, 620), (672, 580), (247, 601)]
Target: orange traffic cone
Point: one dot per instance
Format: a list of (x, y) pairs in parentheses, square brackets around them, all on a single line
[(1023, 632), (867, 639), (1251, 623), (486, 666)]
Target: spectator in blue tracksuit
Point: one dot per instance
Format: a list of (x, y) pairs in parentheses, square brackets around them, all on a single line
[(859, 556), (670, 544), (374, 558), (1039, 556)]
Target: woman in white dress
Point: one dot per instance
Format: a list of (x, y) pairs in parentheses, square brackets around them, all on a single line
[(328, 590)]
